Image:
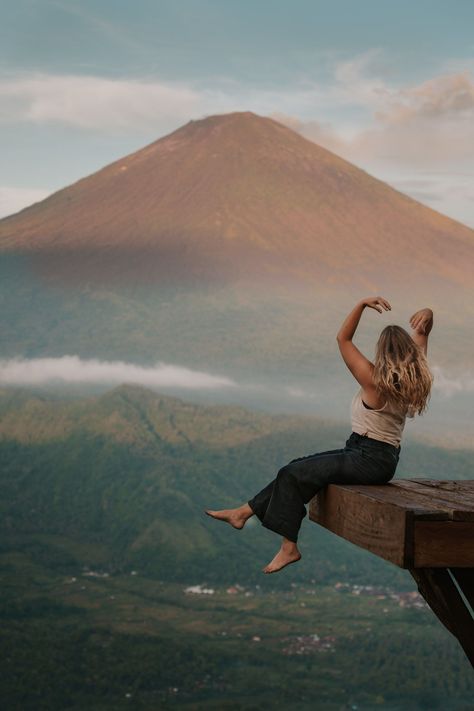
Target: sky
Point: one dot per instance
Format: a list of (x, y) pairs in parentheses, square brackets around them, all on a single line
[(388, 86)]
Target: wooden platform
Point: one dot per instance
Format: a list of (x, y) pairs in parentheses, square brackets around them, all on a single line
[(423, 525)]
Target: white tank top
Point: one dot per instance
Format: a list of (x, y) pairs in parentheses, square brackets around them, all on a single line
[(385, 424)]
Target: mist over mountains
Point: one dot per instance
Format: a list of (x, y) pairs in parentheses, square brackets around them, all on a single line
[(232, 246)]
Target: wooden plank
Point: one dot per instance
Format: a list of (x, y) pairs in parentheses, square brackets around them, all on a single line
[(443, 544), (441, 594), (363, 520), (466, 485), (388, 493), (461, 492), (459, 510), (455, 495)]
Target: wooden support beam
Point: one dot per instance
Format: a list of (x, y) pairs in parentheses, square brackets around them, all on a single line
[(442, 595)]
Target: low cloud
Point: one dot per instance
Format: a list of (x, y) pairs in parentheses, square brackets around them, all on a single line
[(448, 385), (72, 369), (421, 126), (90, 102), (448, 95)]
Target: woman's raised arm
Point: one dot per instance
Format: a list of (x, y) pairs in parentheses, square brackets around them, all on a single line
[(360, 366), (422, 323)]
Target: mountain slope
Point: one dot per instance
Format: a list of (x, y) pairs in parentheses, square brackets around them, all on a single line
[(239, 195)]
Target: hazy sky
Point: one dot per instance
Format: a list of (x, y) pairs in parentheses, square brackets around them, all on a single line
[(387, 85)]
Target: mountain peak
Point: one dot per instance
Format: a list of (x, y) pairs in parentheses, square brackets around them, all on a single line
[(239, 194), (233, 119), (230, 117), (234, 132)]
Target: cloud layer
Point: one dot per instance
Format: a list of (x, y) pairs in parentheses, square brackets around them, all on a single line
[(71, 369), (448, 385), (91, 102), (418, 125), (423, 126)]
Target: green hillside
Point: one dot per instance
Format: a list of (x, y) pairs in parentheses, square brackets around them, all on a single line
[(122, 480)]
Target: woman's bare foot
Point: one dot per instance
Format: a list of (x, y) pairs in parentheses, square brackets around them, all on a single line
[(287, 554), (236, 517)]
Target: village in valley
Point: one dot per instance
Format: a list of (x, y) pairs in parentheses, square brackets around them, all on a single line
[(407, 599), (312, 643)]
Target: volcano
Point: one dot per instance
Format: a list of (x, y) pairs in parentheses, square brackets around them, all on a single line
[(238, 197)]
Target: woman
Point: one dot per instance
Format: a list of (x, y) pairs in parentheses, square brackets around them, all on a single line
[(397, 385)]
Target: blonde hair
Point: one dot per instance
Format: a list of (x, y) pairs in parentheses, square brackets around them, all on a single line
[(401, 372)]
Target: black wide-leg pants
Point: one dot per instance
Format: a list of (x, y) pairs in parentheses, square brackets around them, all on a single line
[(280, 505)]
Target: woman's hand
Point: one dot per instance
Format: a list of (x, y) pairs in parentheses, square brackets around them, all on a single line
[(348, 328), (377, 302), (421, 321)]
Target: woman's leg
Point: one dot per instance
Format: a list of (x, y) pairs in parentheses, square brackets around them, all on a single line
[(280, 505), (259, 503), (287, 554), (236, 517), (294, 485), (300, 480)]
